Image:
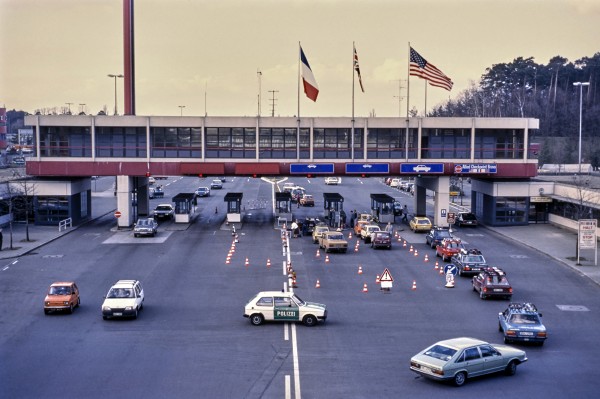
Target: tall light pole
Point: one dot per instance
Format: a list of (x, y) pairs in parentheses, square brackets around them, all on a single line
[(181, 107), (580, 84), (110, 75), (259, 75)]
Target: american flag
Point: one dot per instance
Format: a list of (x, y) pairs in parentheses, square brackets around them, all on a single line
[(426, 70), (357, 69)]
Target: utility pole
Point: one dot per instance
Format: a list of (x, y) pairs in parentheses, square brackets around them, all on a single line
[(69, 104), (82, 108), (399, 96), (273, 99), (259, 75)]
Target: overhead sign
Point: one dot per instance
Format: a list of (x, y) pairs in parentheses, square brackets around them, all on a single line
[(476, 168), (368, 168), (117, 214), (422, 168), (316, 168)]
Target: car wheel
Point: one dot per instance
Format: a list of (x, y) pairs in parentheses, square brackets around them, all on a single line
[(135, 314), (372, 245), (460, 272), (78, 302), (432, 244), (481, 294), (511, 369), (309, 320), (71, 308), (104, 317), (46, 311), (500, 328), (460, 379), (506, 340), (256, 319), (135, 235)]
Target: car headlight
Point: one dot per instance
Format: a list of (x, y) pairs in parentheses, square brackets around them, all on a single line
[(128, 307), (66, 302), (106, 309), (47, 303)]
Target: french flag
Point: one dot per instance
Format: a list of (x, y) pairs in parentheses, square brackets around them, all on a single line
[(311, 89)]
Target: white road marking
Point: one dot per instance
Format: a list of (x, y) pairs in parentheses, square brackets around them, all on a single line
[(5, 268), (286, 331), (288, 387), (297, 392)]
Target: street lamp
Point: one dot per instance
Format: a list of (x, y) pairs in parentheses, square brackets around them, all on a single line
[(181, 107), (110, 75), (580, 84)]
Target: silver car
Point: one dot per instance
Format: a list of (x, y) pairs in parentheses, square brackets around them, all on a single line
[(145, 227), (460, 358)]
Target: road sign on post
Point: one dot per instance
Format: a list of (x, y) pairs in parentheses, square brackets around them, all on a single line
[(386, 280), (117, 214)]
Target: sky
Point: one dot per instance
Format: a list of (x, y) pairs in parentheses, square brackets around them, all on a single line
[(54, 52)]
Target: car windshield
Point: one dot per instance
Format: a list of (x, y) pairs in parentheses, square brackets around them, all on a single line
[(423, 221), (443, 234), (163, 208), (298, 301), (531, 319), (441, 352), (454, 245), (497, 280), (468, 216), (474, 259), (143, 222), (120, 293), (60, 290), (336, 236)]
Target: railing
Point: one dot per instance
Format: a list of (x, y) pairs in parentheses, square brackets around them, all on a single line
[(63, 224)]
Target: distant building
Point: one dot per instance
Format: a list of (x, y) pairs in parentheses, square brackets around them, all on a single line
[(3, 128)]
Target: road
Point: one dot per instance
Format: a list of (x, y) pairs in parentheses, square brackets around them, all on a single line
[(191, 340)]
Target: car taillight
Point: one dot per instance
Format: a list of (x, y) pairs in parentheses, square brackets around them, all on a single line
[(467, 267), (510, 290), (512, 333), (485, 289), (437, 371), (541, 334)]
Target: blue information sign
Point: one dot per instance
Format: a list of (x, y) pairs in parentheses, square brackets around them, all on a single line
[(305, 168), (367, 168), (450, 269), (475, 168), (422, 168)]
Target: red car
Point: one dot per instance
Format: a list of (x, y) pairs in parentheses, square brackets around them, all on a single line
[(492, 283), (448, 248)]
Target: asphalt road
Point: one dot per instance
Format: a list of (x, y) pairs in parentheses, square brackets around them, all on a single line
[(191, 340)]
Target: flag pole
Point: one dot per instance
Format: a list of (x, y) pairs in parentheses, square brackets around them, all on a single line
[(407, 104), (299, 57), (425, 111), (352, 130)]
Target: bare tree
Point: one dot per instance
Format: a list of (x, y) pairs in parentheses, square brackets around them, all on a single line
[(21, 192)]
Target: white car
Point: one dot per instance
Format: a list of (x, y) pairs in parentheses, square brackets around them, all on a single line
[(164, 211), (421, 168), (332, 180), (283, 306), (367, 230), (124, 299)]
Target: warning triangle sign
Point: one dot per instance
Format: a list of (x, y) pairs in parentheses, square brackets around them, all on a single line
[(386, 276)]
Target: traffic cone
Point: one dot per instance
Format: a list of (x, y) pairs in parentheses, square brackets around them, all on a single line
[(227, 260), (404, 244), (318, 253), (268, 262), (365, 288), (400, 239), (247, 263), (350, 235), (294, 285), (232, 250), (411, 248), (414, 286), (356, 248), (359, 269), (416, 252), (441, 270), (426, 258), (437, 265), (318, 285), (326, 258), (377, 279)]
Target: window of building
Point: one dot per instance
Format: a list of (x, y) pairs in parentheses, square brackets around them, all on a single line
[(336, 143), (65, 141), (446, 144), (228, 142), (52, 210), (176, 142), (499, 143), (390, 143), (119, 142), (511, 210)]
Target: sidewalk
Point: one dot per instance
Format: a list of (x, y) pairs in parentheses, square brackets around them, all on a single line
[(548, 239)]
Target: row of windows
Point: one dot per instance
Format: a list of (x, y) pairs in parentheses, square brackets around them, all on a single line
[(281, 143)]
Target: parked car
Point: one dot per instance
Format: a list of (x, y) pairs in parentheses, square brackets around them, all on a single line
[(283, 306), (164, 211), (435, 236), (420, 223), (367, 230), (466, 219), (333, 241), (216, 184), (332, 180), (521, 322), (469, 262), (145, 227), (318, 230), (124, 299), (62, 296), (203, 192), (492, 282), (381, 239), (448, 248), (457, 359), (307, 200)]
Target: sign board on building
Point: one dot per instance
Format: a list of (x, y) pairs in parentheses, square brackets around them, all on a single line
[(475, 168), (422, 168), (310, 168), (587, 234), (368, 168), (540, 199)]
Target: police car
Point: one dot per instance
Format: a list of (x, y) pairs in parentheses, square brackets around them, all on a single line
[(283, 306)]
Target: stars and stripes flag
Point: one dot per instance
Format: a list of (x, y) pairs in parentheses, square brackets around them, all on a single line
[(357, 69), (426, 70), (311, 89)]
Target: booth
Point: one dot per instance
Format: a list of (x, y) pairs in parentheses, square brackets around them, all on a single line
[(184, 207), (333, 209), (234, 207), (283, 207), (382, 207)]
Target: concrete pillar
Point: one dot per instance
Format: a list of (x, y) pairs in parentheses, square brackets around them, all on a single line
[(124, 205), (442, 201), (143, 202), (420, 202)]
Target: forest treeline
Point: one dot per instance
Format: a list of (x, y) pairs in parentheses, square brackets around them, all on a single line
[(524, 88)]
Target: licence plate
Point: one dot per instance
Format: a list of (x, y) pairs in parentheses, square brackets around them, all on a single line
[(527, 333), (498, 290), (426, 369), (117, 314)]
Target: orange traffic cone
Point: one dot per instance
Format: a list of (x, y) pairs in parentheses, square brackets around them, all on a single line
[(414, 286), (247, 263), (441, 270), (404, 244), (437, 265), (349, 235), (411, 248), (377, 279), (365, 288), (356, 248), (400, 239), (318, 285), (318, 253), (326, 258), (426, 258), (268, 262), (416, 252), (294, 282), (359, 269)]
